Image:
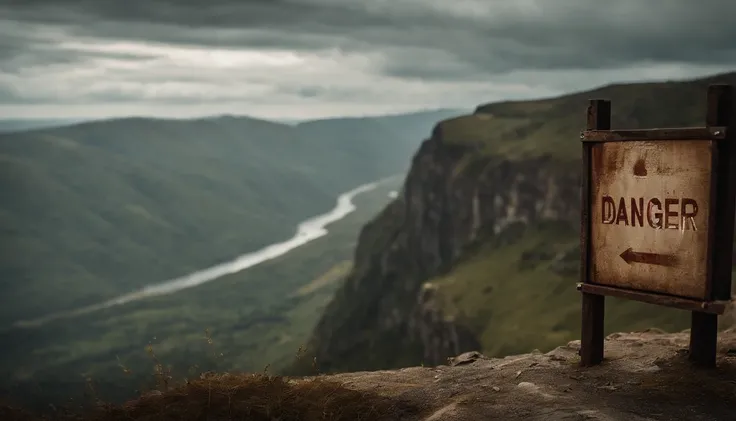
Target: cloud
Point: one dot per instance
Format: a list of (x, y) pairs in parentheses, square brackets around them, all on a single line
[(324, 56)]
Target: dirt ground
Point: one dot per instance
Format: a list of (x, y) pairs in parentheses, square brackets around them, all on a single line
[(646, 376)]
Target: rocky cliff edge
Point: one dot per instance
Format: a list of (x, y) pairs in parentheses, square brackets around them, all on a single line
[(646, 376)]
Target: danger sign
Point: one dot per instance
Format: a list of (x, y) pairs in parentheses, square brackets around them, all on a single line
[(657, 220), (650, 208)]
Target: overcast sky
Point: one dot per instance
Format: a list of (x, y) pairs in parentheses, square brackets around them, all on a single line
[(313, 58)]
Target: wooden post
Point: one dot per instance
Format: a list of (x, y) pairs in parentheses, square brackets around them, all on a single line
[(593, 308), (704, 327), (703, 339)]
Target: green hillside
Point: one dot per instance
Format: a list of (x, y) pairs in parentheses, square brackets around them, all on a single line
[(481, 253), (538, 265), (528, 129), (247, 321), (96, 209)]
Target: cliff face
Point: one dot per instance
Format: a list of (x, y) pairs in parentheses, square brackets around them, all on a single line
[(452, 201), (480, 251), (466, 207)]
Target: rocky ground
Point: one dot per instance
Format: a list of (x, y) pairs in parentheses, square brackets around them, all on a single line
[(646, 376)]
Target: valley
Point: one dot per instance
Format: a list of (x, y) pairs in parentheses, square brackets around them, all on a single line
[(99, 215), (247, 321), (111, 206)]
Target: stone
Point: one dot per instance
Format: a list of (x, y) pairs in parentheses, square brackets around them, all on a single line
[(466, 358)]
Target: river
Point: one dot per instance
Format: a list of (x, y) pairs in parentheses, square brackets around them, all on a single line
[(309, 230)]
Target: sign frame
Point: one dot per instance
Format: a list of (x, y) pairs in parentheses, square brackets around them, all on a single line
[(720, 129)]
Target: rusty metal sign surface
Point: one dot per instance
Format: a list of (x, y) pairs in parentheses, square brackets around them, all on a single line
[(649, 215)]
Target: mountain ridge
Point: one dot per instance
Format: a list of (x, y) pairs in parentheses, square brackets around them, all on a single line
[(146, 196), (35, 124)]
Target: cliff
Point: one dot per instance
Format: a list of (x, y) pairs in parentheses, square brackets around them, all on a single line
[(480, 250), (646, 377)]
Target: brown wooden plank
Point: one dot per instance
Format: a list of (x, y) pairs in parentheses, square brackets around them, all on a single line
[(585, 215), (592, 336), (598, 116), (711, 307), (713, 223), (703, 339), (670, 134), (721, 112), (593, 306), (704, 327)]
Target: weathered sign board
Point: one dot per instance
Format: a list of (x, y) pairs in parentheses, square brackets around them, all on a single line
[(650, 212), (657, 220)]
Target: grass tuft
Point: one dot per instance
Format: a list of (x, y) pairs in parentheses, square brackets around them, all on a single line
[(228, 396)]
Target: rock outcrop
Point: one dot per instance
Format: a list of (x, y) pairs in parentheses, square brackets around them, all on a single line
[(646, 376), (449, 204)]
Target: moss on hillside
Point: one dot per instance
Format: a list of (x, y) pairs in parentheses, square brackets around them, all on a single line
[(522, 295)]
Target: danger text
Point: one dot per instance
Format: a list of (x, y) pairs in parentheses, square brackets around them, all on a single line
[(666, 213)]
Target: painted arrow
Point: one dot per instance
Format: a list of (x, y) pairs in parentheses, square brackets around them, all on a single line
[(630, 256)]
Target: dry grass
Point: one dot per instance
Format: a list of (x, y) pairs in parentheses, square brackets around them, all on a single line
[(229, 396), (244, 397)]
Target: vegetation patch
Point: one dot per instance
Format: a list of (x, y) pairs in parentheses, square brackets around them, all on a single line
[(253, 397), (517, 293)]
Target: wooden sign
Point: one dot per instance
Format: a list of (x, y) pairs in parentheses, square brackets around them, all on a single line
[(650, 206), (658, 219)]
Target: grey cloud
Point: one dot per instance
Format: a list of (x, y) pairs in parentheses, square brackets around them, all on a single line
[(17, 60), (416, 38), (546, 34), (310, 92), (21, 48), (9, 96), (326, 92), (194, 14)]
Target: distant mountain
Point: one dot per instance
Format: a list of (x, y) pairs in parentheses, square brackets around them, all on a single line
[(96, 209), (17, 125)]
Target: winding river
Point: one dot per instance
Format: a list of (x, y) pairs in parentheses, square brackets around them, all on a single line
[(309, 230)]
